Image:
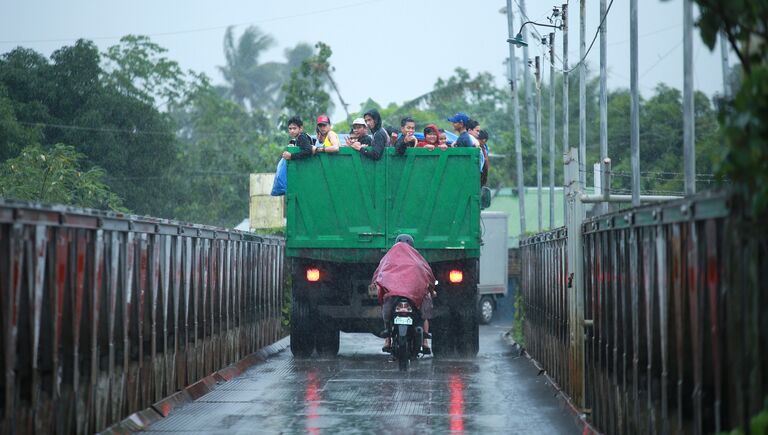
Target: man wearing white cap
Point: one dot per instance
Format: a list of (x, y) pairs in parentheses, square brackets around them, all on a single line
[(359, 137)]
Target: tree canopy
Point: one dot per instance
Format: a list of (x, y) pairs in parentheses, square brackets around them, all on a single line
[(158, 140)]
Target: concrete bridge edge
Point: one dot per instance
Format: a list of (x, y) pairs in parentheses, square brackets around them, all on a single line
[(141, 420), (579, 417)]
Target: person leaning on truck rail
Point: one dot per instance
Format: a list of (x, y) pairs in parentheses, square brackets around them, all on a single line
[(473, 129), (483, 138), (460, 121), (431, 138), (393, 134), (327, 139), (442, 139), (406, 139), (359, 136), (298, 138), (380, 138)]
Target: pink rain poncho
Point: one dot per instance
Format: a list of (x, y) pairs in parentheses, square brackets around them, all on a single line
[(404, 272)]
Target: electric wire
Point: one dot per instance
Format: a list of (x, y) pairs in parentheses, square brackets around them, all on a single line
[(203, 29), (597, 32)]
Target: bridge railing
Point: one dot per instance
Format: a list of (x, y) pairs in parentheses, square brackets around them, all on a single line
[(673, 321), (545, 298), (105, 314)]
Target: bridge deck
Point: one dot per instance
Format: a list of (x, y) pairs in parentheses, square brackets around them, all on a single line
[(360, 391)]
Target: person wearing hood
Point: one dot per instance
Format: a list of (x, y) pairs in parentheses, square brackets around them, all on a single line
[(405, 273), (431, 138), (380, 138)]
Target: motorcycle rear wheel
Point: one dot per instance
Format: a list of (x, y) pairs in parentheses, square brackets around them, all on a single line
[(403, 354)]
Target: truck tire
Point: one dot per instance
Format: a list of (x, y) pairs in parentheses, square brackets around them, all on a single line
[(443, 345), (327, 340), (302, 337), (467, 332), (485, 309)]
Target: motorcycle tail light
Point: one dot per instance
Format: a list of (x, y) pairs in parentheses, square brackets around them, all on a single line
[(403, 307), (313, 274), (456, 276)]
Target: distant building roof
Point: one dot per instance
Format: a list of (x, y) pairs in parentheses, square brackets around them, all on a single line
[(245, 225), (507, 200)]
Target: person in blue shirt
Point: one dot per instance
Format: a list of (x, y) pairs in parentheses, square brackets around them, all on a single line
[(460, 121)]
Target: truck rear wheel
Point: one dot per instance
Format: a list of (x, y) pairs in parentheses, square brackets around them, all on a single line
[(302, 336), (467, 332), (442, 342), (327, 340)]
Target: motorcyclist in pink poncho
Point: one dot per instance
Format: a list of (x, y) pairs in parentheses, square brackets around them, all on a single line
[(404, 272)]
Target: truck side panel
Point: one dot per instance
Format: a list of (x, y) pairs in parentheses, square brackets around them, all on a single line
[(336, 201), (435, 197)]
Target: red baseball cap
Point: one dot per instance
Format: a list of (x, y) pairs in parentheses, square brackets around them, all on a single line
[(323, 119)]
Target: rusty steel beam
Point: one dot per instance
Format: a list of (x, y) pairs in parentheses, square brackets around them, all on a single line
[(674, 315), (104, 314)]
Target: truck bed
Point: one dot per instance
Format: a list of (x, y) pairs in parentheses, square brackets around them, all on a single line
[(346, 208)]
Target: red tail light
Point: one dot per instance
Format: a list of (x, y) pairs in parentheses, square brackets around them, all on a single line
[(313, 274), (403, 307), (456, 276)]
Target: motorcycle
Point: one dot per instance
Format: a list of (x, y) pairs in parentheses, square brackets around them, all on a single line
[(406, 333)]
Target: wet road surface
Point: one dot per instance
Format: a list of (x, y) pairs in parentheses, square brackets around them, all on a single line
[(361, 391)]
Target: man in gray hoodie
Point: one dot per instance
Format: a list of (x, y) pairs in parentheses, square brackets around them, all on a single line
[(380, 136)]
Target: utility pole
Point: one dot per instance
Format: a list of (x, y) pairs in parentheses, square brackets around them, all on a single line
[(582, 95), (689, 128), (516, 115), (603, 92), (634, 107), (526, 75), (724, 60), (539, 168), (552, 130), (566, 148)]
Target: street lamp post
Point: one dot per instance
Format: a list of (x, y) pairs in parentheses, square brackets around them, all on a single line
[(516, 116)]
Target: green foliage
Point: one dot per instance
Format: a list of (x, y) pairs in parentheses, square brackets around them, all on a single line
[(305, 94), (56, 176), (73, 102), (13, 135), (249, 82), (285, 309), (519, 321), (758, 424), (745, 159), (137, 68), (219, 146)]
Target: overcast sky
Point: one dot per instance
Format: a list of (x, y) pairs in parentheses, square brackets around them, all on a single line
[(389, 50)]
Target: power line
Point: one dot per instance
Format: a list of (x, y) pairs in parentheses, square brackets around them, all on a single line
[(664, 56), (665, 29), (203, 29), (597, 32), (124, 131)]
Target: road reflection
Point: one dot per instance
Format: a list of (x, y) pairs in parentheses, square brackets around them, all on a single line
[(312, 402), (456, 406)]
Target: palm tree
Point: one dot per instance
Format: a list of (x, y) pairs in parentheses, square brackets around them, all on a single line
[(250, 84)]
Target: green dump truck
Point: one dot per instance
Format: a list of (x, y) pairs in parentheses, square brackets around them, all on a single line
[(344, 212)]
